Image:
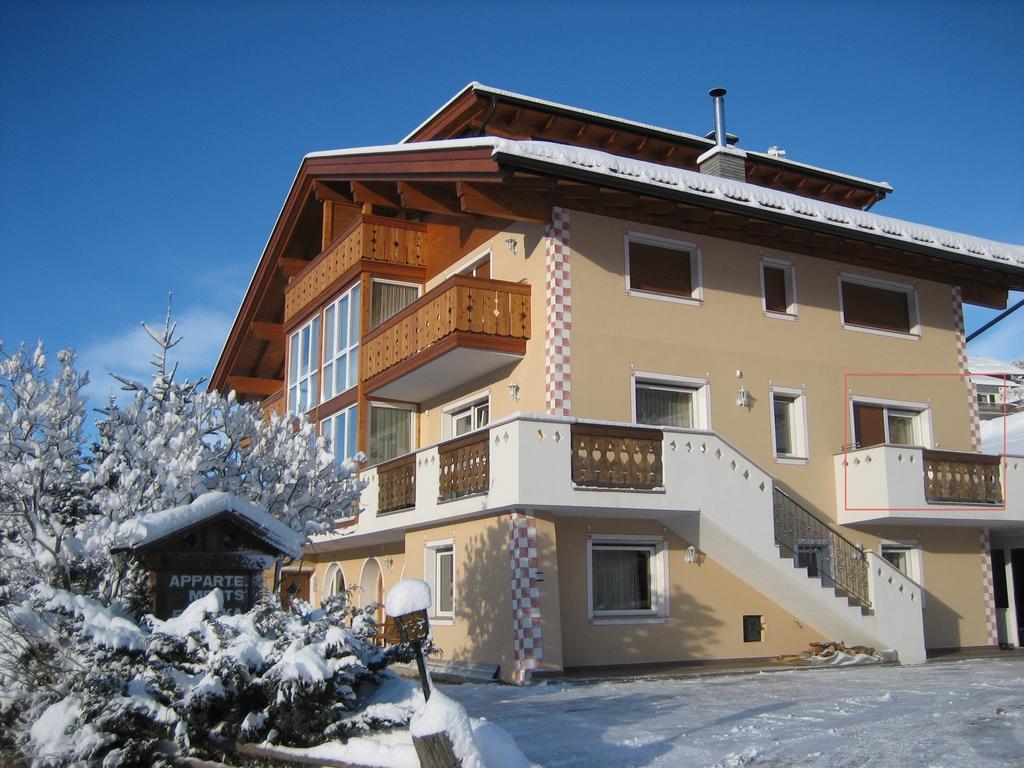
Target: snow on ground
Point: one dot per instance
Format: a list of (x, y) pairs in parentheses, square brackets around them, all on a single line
[(992, 435), (962, 714)]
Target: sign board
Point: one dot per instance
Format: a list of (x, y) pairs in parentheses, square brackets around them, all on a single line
[(175, 590)]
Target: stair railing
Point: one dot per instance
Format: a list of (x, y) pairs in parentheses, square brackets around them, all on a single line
[(814, 544)]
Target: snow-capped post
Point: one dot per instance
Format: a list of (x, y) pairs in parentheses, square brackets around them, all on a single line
[(407, 603)]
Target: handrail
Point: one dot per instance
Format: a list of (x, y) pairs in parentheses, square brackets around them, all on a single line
[(838, 559)]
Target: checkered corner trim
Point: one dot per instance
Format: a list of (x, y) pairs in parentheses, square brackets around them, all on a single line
[(527, 636), (558, 300), (988, 589), (964, 367)]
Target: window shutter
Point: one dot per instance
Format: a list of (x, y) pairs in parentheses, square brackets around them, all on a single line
[(659, 270), (875, 307), (775, 289), (868, 425)]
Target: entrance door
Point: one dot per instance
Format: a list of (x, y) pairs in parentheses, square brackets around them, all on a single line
[(1017, 561)]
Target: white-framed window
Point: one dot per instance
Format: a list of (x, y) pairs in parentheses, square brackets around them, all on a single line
[(660, 268), (389, 297), (304, 367), (905, 556), (627, 578), (878, 306), (789, 425), (662, 400), (778, 288), (876, 421), (467, 416), (439, 569), (391, 431), (341, 343), (341, 430)]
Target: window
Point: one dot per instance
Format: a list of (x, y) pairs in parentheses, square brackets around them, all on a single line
[(904, 556), (752, 628), (789, 424), (341, 430), (671, 402), (304, 367), (334, 581), (467, 417), (778, 288), (341, 343), (439, 568), (663, 269), (627, 577), (480, 268), (878, 423), (390, 432), (389, 298), (878, 306)]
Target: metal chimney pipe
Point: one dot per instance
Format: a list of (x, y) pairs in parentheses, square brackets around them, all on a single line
[(718, 94)]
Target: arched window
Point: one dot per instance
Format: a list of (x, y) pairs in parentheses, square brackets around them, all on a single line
[(334, 581)]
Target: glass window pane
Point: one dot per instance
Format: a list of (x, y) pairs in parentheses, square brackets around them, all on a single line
[(314, 352), (353, 367), (304, 351), (462, 423), (898, 557), (445, 582), (340, 385), (354, 315), (621, 579), (352, 426), (342, 323), (664, 407), (901, 429), (390, 433), (388, 299), (327, 432), (783, 426), (328, 381), (483, 415), (293, 368), (329, 331)]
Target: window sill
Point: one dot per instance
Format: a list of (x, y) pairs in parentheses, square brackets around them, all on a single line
[(780, 315), (791, 460), (442, 621), (615, 621), (882, 332), (697, 302)]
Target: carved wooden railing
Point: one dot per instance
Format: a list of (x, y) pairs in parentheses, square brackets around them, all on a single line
[(616, 457), (966, 478), (368, 238), (493, 308), (396, 484), (464, 466)]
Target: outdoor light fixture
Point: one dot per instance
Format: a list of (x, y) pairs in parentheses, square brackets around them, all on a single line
[(743, 399), (513, 391), (513, 245), (691, 554)]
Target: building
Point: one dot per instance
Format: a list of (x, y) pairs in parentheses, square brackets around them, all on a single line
[(630, 395), (998, 387)]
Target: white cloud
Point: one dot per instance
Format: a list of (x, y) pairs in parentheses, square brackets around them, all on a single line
[(129, 352)]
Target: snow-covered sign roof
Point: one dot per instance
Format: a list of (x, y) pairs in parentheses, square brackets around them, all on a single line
[(543, 155), (153, 528)]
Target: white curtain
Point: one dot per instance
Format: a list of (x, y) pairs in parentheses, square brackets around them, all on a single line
[(621, 579), (389, 299), (390, 433), (664, 406)]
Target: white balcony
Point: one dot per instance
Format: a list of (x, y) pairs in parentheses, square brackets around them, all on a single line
[(897, 484)]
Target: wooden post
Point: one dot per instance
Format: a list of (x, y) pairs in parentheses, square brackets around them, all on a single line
[(436, 751)]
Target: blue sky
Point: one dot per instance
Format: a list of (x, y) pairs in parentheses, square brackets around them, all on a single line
[(147, 147)]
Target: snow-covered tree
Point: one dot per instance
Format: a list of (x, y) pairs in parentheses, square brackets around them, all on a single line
[(85, 678)]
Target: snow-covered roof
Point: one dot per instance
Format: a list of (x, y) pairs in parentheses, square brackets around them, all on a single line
[(626, 123), (700, 186), (151, 528), (993, 365)]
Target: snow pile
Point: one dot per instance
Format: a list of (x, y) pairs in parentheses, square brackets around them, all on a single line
[(408, 596), (444, 715), (992, 432)]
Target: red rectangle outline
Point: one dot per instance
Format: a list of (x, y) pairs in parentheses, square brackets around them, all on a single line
[(846, 425)]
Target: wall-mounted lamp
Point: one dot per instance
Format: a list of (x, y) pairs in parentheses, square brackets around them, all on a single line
[(692, 555), (389, 562), (513, 391), (743, 399), (513, 245)]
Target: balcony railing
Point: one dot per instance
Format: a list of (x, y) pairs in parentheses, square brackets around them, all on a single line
[(814, 545), (495, 312), (368, 238), (964, 478), (464, 465), (616, 457), (396, 481)]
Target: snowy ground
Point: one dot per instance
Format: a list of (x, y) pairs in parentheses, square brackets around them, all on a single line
[(992, 434), (967, 714)]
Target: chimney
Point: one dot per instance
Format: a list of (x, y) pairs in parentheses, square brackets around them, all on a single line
[(722, 159)]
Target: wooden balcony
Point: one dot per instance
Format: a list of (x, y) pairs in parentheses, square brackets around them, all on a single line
[(616, 457), (464, 466), (462, 329), (368, 238), (396, 481), (962, 478)]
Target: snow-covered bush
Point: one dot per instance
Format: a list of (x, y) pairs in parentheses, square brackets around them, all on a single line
[(87, 678)]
